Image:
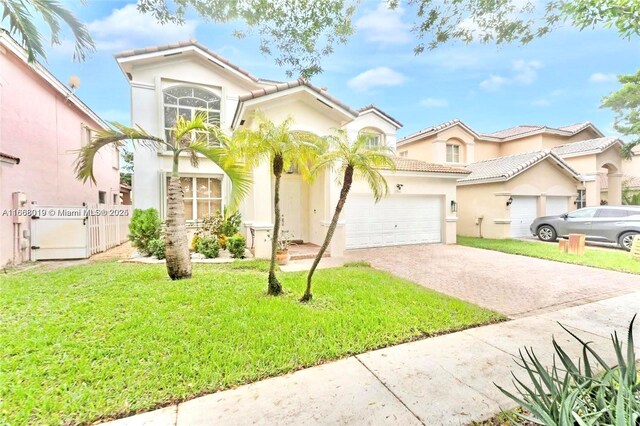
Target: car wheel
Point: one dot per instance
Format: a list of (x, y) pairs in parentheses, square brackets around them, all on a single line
[(626, 240), (547, 233)]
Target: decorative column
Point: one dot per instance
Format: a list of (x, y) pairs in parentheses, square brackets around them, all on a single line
[(592, 186), (615, 189)]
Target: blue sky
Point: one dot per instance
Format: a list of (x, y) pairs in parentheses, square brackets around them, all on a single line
[(555, 81)]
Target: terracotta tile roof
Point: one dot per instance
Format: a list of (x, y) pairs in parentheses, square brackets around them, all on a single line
[(433, 130), (373, 107), (576, 127), (501, 135), (586, 146), (627, 180), (515, 131), (525, 129), (10, 157), (162, 48), (291, 84), (404, 164), (505, 168)]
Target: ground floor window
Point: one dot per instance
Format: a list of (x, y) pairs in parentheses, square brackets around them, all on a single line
[(581, 200), (202, 196)]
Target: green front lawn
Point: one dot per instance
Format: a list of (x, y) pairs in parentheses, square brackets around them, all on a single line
[(106, 340), (615, 260)]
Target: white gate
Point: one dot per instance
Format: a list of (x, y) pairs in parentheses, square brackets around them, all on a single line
[(59, 232), (73, 232)]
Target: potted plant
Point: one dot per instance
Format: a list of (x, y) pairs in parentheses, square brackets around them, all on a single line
[(282, 252)]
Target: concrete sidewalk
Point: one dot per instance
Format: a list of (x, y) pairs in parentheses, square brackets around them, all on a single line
[(446, 380)]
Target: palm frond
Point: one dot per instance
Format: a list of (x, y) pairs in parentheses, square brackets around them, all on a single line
[(20, 24), (239, 175), (116, 135)]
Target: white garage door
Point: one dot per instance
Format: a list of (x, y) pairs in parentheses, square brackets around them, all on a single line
[(395, 220), (557, 205), (523, 212)]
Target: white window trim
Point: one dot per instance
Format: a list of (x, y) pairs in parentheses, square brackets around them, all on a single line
[(167, 85), (223, 193), (453, 153), (370, 131)]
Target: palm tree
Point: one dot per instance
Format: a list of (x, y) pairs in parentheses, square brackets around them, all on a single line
[(19, 13), (356, 159), (190, 137), (283, 148)]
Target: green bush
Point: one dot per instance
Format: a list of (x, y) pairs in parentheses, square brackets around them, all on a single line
[(156, 248), (221, 225), (145, 226), (574, 393), (236, 246), (209, 247), (194, 241)]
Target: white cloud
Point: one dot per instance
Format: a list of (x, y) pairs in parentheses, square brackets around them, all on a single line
[(127, 28), (524, 72), (376, 77), (434, 102), (493, 83), (384, 26), (600, 77)]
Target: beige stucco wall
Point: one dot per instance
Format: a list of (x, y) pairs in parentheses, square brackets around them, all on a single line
[(433, 148), (485, 150), (526, 144), (489, 200), (631, 167)]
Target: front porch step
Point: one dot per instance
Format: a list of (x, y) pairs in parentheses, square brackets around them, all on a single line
[(303, 256)]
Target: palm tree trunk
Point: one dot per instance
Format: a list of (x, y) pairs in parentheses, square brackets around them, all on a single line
[(275, 288), (176, 242), (346, 186)]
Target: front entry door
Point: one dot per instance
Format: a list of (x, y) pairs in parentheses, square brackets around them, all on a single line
[(293, 206)]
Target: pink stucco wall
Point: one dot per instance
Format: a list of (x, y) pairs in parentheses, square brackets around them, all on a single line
[(40, 127)]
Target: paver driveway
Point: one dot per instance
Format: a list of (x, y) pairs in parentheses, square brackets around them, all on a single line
[(513, 285)]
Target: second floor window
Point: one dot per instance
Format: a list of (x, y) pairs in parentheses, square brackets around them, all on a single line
[(404, 153), (373, 137), (453, 153), (187, 101)]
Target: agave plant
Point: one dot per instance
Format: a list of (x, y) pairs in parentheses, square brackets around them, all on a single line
[(571, 394)]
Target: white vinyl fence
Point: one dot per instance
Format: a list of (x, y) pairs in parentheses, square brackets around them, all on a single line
[(108, 226)]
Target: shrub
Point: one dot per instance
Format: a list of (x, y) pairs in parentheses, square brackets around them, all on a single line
[(194, 241), (571, 393), (231, 224), (219, 224), (209, 247), (236, 246), (212, 224), (145, 226), (156, 248), (222, 241)]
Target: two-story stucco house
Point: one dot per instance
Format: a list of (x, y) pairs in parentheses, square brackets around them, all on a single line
[(520, 173), (184, 78), (42, 125)]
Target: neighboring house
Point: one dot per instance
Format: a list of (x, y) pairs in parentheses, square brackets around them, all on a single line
[(185, 78), (42, 125), (539, 170)]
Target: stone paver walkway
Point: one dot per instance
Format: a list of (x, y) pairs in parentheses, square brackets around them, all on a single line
[(514, 285), (446, 380)]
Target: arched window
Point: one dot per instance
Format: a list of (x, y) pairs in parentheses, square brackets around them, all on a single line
[(187, 101), (374, 136)]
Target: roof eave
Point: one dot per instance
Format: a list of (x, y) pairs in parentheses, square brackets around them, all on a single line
[(46, 75), (243, 104)]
